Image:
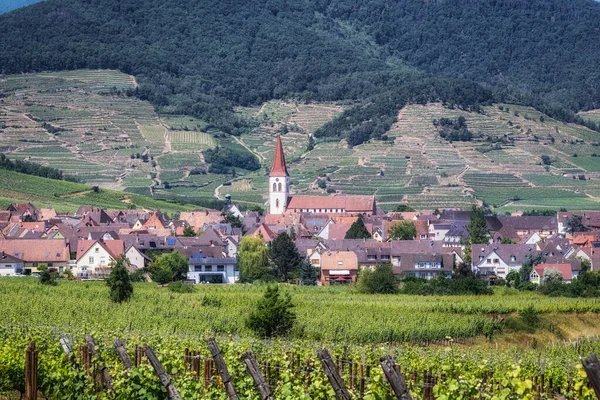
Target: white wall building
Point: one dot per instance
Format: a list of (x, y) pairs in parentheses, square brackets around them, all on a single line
[(213, 269), (11, 266)]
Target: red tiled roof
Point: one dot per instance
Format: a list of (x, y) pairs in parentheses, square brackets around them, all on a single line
[(113, 247), (279, 167), (37, 250), (348, 203), (565, 270)]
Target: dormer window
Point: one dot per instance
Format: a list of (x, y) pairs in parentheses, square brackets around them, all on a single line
[(513, 258)]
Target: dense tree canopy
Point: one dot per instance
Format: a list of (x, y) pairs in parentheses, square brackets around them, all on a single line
[(204, 57)]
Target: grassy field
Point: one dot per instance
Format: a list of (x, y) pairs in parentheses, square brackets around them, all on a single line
[(67, 196), (100, 129), (437, 334)]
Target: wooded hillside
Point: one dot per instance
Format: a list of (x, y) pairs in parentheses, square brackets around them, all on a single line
[(202, 58)]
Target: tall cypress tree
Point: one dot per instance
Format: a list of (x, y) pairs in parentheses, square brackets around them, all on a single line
[(477, 228), (358, 230), (284, 255)]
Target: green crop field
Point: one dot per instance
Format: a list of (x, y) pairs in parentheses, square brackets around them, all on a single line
[(68, 196), (355, 328)]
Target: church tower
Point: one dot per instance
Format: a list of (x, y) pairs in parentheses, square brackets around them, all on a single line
[(279, 182)]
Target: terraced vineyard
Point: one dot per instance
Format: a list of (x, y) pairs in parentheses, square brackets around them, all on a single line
[(83, 123)]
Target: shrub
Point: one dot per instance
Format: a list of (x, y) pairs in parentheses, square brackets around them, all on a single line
[(47, 277), (381, 280), (180, 287), (273, 315), (210, 301)]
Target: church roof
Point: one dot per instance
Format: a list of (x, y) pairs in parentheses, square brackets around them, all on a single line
[(279, 167), (348, 203)]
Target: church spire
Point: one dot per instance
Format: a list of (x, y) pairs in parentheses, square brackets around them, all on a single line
[(279, 167)]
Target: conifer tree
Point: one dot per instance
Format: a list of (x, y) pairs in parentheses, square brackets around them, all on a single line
[(273, 315), (308, 274), (477, 228), (285, 257), (358, 230), (118, 281)]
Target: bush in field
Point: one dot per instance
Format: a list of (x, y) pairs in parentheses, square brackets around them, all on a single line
[(118, 281), (180, 287), (273, 315), (47, 277), (381, 280)]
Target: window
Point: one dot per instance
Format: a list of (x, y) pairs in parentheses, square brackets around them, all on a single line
[(91, 260), (97, 249), (236, 268), (513, 258), (480, 258), (220, 268), (208, 268), (50, 264), (314, 261), (489, 260), (279, 187), (274, 187), (340, 263), (496, 261)]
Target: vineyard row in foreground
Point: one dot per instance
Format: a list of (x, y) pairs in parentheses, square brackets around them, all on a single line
[(70, 366)]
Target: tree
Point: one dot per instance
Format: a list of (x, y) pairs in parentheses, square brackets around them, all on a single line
[(47, 277), (161, 274), (174, 263), (358, 230), (551, 275), (308, 273), (546, 160), (477, 228), (527, 266), (188, 231), (229, 218), (119, 282), (253, 260), (404, 208), (575, 224), (508, 241), (404, 230), (513, 279), (285, 257), (381, 280), (273, 315), (463, 270)]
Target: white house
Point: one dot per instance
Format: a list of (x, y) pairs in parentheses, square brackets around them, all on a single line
[(500, 259), (137, 259), (213, 269), (10, 265), (94, 257)]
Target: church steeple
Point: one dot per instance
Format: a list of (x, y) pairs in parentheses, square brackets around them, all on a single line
[(279, 167), (279, 182)]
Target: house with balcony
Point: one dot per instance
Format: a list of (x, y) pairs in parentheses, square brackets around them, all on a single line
[(206, 268)]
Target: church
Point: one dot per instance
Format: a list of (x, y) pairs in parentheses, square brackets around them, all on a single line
[(280, 201)]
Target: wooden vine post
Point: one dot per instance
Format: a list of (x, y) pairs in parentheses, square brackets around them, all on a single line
[(259, 380), (172, 393), (31, 364), (106, 379), (592, 369), (222, 369), (333, 374), (393, 376), (122, 352)]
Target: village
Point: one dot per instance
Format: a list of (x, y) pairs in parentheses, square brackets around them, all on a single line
[(84, 244)]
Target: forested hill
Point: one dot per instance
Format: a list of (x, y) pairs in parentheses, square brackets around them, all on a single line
[(202, 57), (9, 5)]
